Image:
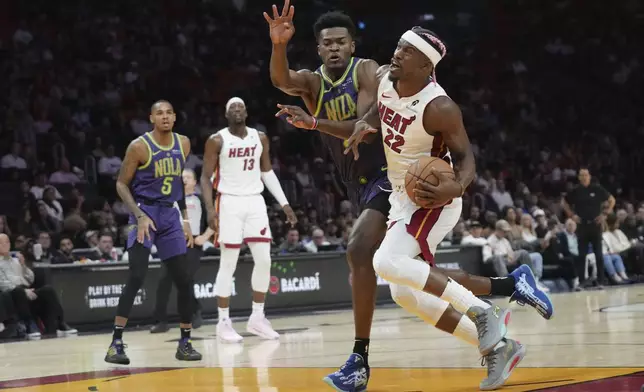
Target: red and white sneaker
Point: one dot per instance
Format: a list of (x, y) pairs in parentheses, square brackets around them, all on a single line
[(260, 326)]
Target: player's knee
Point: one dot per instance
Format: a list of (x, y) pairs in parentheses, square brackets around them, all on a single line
[(385, 265), (359, 252), (403, 296)]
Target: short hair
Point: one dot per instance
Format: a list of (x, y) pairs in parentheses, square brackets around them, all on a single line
[(437, 43), (334, 19), (194, 174), (158, 102)]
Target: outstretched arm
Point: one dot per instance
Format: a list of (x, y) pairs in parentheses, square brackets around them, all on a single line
[(281, 29)]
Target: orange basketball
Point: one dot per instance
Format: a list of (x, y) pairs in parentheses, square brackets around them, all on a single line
[(421, 171)]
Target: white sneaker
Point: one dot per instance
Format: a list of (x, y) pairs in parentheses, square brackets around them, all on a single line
[(260, 326), (226, 333), (33, 336)]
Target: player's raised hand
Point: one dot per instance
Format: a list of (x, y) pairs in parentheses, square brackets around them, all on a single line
[(187, 232), (435, 196), (144, 224), (281, 25), (296, 116), (360, 131), (290, 215)]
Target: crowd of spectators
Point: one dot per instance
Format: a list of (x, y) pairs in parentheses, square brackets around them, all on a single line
[(544, 88)]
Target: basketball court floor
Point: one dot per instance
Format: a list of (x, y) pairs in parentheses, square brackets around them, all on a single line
[(595, 343)]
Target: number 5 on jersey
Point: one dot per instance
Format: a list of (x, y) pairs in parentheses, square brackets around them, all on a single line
[(166, 189)]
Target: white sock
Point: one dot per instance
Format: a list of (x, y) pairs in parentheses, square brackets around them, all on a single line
[(224, 313), (258, 308), (466, 331), (1, 327), (461, 298)]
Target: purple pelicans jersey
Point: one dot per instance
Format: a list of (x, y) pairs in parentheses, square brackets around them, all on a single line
[(338, 101), (157, 185)]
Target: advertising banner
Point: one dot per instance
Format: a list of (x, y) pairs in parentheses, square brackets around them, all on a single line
[(90, 293)]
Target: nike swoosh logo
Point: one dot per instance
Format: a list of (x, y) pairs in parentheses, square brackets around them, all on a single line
[(157, 153), (383, 169), (385, 96)]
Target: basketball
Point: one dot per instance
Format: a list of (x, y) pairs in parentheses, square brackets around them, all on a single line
[(421, 171)]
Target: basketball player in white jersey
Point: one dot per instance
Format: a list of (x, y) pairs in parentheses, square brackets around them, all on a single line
[(418, 119), (239, 158)]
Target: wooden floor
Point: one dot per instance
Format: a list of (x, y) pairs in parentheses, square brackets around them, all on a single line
[(595, 342)]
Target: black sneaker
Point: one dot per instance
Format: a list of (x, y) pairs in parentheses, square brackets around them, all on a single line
[(116, 353), (160, 328), (185, 352), (197, 320)]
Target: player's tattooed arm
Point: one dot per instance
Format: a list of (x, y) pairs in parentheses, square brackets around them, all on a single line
[(137, 154), (210, 163), (443, 116), (185, 148)]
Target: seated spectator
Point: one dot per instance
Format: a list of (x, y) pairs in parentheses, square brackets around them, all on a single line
[(614, 245), (618, 243), (13, 160), (541, 227), (40, 183), (502, 250), (614, 265), (511, 216), (105, 251), (64, 174), (110, 164), (30, 304), (44, 241), (475, 238), (43, 221), (64, 253), (292, 243), (54, 209), (564, 248), (318, 242)]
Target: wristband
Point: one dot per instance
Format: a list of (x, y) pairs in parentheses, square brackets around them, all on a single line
[(315, 123)]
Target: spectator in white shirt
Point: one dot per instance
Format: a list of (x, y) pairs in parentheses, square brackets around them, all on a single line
[(13, 160), (475, 238), (502, 250), (110, 164), (500, 195), (40, 183), (317, 240), (616, 247), (54, 209), (64, 175)]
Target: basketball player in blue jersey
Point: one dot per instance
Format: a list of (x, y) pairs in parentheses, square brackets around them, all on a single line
[(149, 183), (337, 94)]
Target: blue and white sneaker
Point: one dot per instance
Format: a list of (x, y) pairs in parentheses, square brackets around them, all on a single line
[(527, 292), (353, 376)]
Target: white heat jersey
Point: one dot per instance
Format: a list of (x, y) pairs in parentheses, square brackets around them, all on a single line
[(238, 172), (403, 133)]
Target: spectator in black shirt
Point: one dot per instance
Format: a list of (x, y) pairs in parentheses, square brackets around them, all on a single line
[(64, 254), (586, 204)]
